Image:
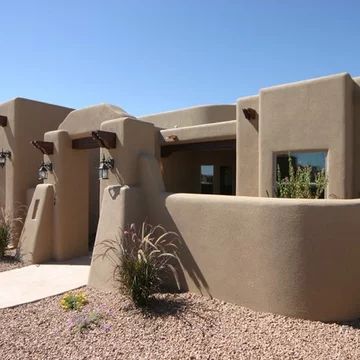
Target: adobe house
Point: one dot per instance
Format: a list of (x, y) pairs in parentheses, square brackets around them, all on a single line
[(21, 121), (208, 173)]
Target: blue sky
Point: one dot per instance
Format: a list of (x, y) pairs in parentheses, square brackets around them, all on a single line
[(152, 56)]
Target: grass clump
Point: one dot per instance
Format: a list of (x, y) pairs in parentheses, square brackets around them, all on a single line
[(146, 257), (73, 301), (8, 228), (302, 183)]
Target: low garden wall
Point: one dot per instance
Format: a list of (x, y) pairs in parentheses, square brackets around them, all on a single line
[(294, 257)]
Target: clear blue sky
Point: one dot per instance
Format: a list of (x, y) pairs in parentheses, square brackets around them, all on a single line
[(151, 56)]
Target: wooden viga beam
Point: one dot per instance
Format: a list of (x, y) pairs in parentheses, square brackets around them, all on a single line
[(98, 138), (46, 147), (3, 120)]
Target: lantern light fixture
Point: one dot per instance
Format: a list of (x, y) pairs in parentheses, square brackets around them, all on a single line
[(44, 169), (3, 156), (104, 167)]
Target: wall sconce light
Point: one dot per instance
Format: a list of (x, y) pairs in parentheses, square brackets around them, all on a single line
[(105, 166), (3, 156), (44, 169)]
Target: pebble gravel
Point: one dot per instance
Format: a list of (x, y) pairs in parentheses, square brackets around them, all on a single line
[(178, 326)]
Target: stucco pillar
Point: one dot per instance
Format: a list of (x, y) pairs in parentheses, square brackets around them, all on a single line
[(247, 148), (133, 137), (122, 197), (70, 178)]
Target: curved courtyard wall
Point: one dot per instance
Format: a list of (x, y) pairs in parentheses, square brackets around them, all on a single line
[(293, 257)]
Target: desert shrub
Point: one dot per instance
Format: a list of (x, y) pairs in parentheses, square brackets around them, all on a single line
[(301, 183), (73, 301), (146, 257), (8, 231)]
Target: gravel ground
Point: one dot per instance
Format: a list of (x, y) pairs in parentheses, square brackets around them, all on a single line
[(9, 261), (184, 326)]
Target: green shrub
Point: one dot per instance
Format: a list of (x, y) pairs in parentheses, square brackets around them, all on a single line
[(301, 183), (73, 301), (7, 229), (145, 259)]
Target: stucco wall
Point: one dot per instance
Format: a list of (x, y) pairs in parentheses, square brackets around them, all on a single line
[(247, 148), (288, 256), (293, 257), (356, 134), (313, 115), (196, 115), (36, 242), (27, 120)]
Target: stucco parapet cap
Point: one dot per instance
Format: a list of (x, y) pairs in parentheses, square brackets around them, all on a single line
[(113, 111), (189, 109), (265, 201), (202, 132), (247, 98), (305, 82), (22, 99)]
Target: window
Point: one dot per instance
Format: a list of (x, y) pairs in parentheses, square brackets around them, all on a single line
[(207, 179), (226, 180), (316, 160)]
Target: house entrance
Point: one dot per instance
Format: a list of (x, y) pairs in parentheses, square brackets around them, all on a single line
[(93, 144), (203, 168)]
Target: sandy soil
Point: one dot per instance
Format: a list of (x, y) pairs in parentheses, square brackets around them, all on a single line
[(184, 326)]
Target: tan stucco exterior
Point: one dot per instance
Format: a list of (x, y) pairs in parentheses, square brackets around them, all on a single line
[(293, 257), (27, 120)]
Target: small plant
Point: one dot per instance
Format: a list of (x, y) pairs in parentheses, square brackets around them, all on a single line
[(145, 258), (73, 301), (8, 231), (86, 321), (302, 183)]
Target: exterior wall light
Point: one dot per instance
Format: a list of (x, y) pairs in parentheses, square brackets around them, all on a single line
[(44, 169), (3, 156), (105, 166)]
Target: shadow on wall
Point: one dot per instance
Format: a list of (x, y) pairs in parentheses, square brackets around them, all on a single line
[(188, 263), (154, 192)]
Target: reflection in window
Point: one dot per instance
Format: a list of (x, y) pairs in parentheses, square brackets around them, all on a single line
[(316, 160), (207, 179)]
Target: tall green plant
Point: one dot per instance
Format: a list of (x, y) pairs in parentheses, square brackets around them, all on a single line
[(299, 183), (146, 257)]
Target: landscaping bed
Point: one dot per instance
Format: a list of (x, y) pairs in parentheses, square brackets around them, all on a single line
[(9, 261), (182, 326)]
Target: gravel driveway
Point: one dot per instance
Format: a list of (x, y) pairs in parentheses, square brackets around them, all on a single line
[(184, 326)]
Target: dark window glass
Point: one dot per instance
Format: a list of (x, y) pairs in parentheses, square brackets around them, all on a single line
[(226, 180)]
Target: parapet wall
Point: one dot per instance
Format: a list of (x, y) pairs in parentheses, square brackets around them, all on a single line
[(293, 257)]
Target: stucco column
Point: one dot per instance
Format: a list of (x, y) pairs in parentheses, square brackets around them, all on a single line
[(133, 137), (122, 198), (70, 178)]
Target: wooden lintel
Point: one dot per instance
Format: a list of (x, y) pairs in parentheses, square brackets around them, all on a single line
[(3, 120), (97, 139), (105, 139), (46, 147), (167, 150)]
